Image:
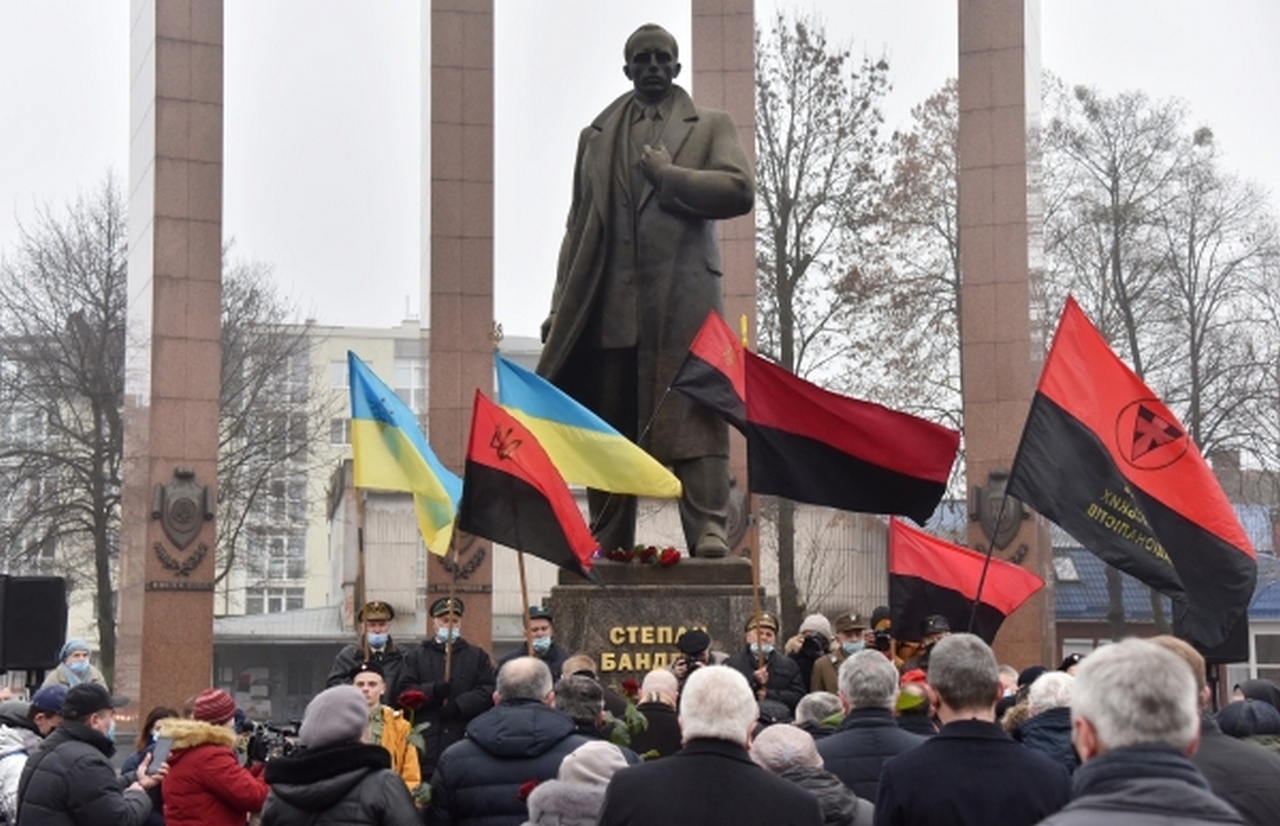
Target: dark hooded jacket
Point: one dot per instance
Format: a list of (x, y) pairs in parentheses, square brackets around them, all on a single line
[(840, 806), (342, 785), (1141, 787), (70, 782), (1049, 732), (478, 780), (450, 704), (859, 748), (1242, 774)]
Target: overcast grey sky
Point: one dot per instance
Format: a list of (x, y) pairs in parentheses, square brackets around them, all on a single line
[(322, 115)]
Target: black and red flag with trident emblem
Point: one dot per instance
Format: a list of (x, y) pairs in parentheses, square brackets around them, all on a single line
[(811, 445), (513, 495), (1104, 458)]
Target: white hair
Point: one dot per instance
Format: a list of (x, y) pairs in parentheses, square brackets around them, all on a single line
[(717, 704), (868, 680), (659, 681), (1134, 693), (1051, 689), (524, 678), (817, 706), (782, 747)]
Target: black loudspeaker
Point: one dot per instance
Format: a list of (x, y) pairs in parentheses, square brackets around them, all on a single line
[(33, 622)]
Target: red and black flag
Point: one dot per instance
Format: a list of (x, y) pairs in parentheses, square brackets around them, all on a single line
[(713, 373), (811, 445), (929, 576), (1106, 460), (513, 494)]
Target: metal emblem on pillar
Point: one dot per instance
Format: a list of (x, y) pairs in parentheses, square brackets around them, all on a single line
[(998, 514), (182, 507)]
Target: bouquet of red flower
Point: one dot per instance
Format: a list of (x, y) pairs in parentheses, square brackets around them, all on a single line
[(645, 555)]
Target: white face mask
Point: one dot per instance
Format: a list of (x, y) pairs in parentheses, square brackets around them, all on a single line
[(446, 634)]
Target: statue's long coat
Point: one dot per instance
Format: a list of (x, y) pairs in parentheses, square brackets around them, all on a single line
[(662, 258)]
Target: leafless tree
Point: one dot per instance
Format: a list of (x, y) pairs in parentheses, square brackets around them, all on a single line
[(819, 156)]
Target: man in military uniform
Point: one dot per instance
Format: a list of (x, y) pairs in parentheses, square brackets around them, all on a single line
[(542, 629), (446, 680), (932, 629), (850, 639), (375, 646), (773, 677)]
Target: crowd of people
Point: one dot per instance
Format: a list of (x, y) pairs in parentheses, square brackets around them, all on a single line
[(832, 726)]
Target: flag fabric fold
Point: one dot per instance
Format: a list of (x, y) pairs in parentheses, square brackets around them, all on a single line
[(585, 449), (929, 576), (514, 495), (812, 445), (1105, 459), (714, 372), (389, 452)]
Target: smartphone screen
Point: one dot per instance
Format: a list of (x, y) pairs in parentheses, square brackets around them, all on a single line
[(160, 754)]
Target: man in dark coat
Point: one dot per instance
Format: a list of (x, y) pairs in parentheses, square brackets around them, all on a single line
[(659, 701), (772, 676), (542, 630), (375, 646), (453, 681), (1240, 773), (639, 271), (70, 780), (522, 739), (712, 780), (1048, 729), (970, 773), (868, 736), (1136, 718)]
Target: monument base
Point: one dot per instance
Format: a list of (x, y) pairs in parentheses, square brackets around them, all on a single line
[(631, 625)]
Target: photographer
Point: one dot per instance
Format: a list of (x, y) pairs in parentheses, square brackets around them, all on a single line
[(695, 650), (206, 785), (809, 645)]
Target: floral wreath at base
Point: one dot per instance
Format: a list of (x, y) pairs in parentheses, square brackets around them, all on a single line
[(645, 555)]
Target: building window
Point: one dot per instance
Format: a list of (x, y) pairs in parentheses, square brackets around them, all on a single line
[(279, 557), (339, 375), (1267, 655), (273, 600), (410, 379), (340, 431)]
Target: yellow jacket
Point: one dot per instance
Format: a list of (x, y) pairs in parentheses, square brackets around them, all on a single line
[(395, 739)]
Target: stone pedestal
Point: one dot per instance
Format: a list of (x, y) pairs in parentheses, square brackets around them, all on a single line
[(631, 625)]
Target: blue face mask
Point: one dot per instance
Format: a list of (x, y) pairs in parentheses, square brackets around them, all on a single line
[(111, 729), (542, 644), (446, 634), (80, 667), (767, 648), (851, 648), (376, 640)]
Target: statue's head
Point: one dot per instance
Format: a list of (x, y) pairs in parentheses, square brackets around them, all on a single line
[(652, 62)]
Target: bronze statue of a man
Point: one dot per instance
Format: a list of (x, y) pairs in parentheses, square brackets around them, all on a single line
[(639, 270)]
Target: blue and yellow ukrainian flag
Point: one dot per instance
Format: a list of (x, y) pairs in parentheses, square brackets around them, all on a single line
[(583, 447), (390, 453)]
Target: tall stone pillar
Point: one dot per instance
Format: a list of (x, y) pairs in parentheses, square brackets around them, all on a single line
[(461, 350), (1001, 250), (724, 77), (174, 357)]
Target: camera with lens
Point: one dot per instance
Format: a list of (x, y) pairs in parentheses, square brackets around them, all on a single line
[(883, 639), (270, 740)]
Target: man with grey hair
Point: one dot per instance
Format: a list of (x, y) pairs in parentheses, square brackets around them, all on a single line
[(818, 713), (1136, 719), (712, 780), (1048, 729), (522, 738), (970, 772), (869, 735)]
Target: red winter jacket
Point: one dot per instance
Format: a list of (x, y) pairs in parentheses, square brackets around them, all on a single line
[(206, 785)]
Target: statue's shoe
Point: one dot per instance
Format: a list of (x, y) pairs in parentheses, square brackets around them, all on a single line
[(711, 546)]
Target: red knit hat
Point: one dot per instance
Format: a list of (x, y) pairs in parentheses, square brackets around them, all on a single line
[(213, 705)]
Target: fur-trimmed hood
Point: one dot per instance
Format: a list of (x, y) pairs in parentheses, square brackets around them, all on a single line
[(187, 734)]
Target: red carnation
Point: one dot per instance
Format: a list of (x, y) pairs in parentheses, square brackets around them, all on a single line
[(668, 557), (631, 688), (411, 699), (526, 789), (618, 555), (647, 553)]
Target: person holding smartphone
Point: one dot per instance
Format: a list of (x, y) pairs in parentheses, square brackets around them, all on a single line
[(145, 745), (206, 785)]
